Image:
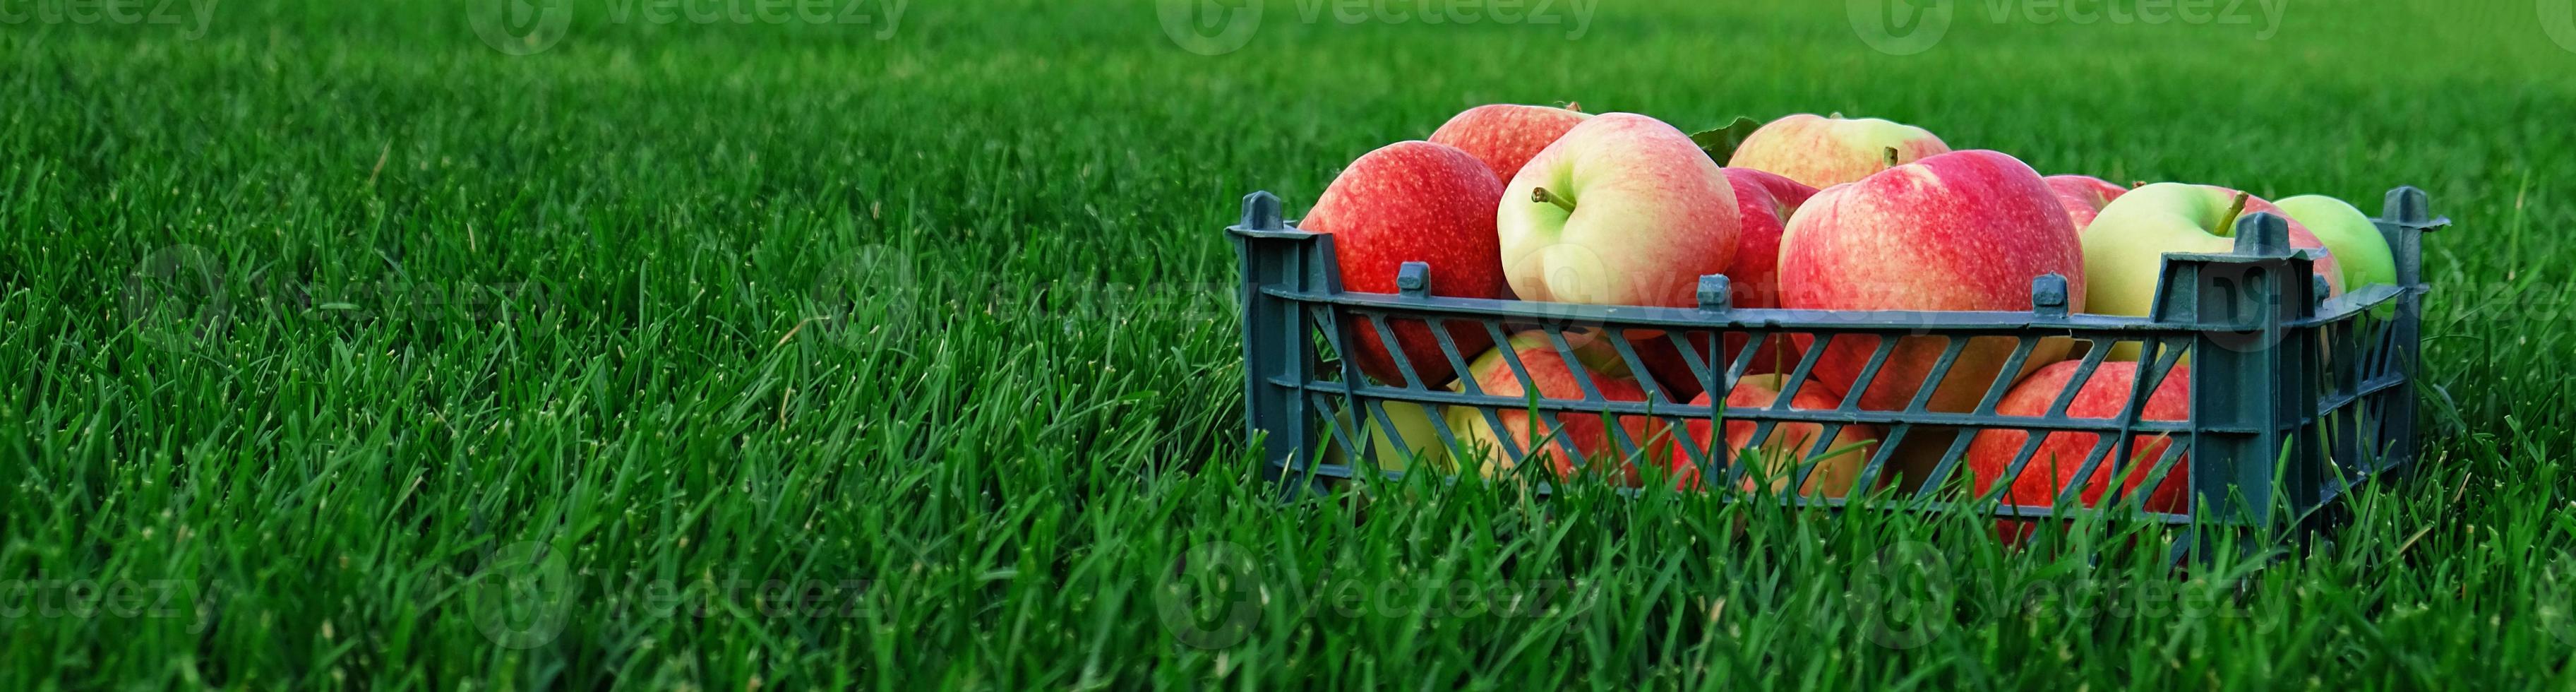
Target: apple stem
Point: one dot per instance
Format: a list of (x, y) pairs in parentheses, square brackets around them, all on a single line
[(1542, 195), (1891, 157), (2233, 210)]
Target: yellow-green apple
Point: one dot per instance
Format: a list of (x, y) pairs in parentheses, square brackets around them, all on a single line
[(1966, 230), (2063, 455), (1505, 136), (2124, 247), (1411, 439), (2358, 248), (1824, 151), (1413, 202), (1764, 202), (1587, 435), (1622, 210), (2083, 195), (1783, 453)]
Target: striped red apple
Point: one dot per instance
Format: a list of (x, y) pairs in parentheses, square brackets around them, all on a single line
[(1413, 202), (1966, 230), (1506, 136)]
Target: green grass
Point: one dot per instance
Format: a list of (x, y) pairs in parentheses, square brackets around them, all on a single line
[(705, 306)]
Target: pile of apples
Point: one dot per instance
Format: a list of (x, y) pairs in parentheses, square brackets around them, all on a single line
[(1811, 212)]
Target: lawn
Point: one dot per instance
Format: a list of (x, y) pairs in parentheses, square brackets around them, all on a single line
[(358, 345)]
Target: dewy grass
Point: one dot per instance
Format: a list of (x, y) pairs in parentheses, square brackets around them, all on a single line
[(349, 351)]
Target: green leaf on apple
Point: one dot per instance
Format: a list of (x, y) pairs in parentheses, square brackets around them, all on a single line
[(1720, 143)]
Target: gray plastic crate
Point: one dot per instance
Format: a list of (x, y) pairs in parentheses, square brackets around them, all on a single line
[(2294, 397)]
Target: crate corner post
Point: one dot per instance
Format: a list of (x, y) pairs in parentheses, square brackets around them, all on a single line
[(1278, 346), (2404, 217), (2253, 371)]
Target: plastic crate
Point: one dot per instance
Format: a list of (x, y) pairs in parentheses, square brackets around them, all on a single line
[(2294, 397)]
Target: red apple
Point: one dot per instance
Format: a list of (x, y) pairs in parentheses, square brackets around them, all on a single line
[(1507, 136), (1764, 202), (1413, 202), (2053, 467), (1585, 434), (2083, 196), (1785, 450), (1824, 151), (1966, 230)]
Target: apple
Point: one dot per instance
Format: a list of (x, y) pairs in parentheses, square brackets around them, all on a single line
[(2350, 235), (1413, 202), (1506, 136), (1824, 151), (1764, 203), (1585, 434), (1622, 210), (2083, 195), (2063, 455), (1785, 450), (1411, 439), (2124, 247), (1967, 230)]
